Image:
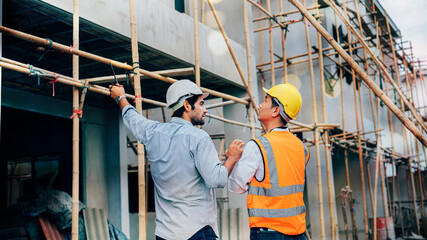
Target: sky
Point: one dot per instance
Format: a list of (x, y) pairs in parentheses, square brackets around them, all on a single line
[(410, 16)]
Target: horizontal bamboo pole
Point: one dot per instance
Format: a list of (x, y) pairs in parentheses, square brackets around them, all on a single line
[(123, 77), (401, 116), (20, 67), (313, 52), (284, 24), (283, 14), (72, 82), (71, 50), (231, 121), (222, 104)]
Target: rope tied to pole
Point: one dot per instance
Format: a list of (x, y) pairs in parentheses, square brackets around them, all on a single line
[(76, 112), (47, 50), (128, 72), (136, 96), (35, 73), (114, 73), (53, 83)]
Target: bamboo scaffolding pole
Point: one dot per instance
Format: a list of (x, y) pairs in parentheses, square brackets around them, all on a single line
[(270, 39), (124, 77), (411, 126), (313, 52), (384, 70), (281, 14), (249, 66), (75, 51), (400, 204), (76, 128), (347, 172), (283, 34), (196, 43), (221, 104), (69, 81), (260, 48), (284, 24), (231, 121), (374, 206), (413, 197), (142, 187), (390, 203), (314, 58), (202, 17), (249, 91), (316, 133), (359, 144), (384, 198), (20, 67), (326, 134), (420, 181)]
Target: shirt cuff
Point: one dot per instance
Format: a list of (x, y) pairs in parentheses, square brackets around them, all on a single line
[(126, 109)]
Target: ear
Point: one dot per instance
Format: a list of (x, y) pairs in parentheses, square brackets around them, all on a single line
[(187, 106), (276, 112)]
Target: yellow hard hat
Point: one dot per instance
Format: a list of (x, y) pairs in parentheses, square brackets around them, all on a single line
[(288, 96)]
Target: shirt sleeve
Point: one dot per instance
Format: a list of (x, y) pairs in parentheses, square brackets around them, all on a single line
[(245, 169), (136, 123), (207, 163)]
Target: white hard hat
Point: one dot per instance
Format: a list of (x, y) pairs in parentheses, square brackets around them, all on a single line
[(181, 90)]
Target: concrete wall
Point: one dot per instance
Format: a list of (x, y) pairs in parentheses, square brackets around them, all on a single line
[(159, 26)]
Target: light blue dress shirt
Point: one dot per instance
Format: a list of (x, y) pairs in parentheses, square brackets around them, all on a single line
[(185, 169)]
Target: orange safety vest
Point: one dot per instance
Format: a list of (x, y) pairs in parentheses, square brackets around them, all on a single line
[(276, 202)]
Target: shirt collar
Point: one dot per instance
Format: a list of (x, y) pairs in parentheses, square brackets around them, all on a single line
[(180, 121), (280, 129)]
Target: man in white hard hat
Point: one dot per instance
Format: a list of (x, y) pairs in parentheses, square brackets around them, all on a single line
[(272, 170), (184, 162)]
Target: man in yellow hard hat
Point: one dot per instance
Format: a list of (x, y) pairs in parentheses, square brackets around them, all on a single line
[(272, 170)]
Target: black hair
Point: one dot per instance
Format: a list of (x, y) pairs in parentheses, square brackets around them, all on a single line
[(275, 104), (191, 100)]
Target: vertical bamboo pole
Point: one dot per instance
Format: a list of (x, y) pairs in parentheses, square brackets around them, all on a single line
[(202, 18), (382, 175), (374, 206), (270, 37), (413, 196), (359, 144), (400, 204), (76, 127), (140, 148), (248, 62), (282, 31), (316, 131), (196, 43), (423, 89), (388, 191), (326, 133), (261, 58), (249, 91), (347, 171), (419, 179)]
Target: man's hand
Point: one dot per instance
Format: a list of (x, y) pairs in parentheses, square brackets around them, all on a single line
[(233, 154), (116, 90), (235, 150)]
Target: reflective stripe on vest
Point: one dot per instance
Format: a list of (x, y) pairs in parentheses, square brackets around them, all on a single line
[(275, 189), (276, 213)]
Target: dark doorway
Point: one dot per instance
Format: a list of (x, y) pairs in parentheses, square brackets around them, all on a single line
[(36, 154)]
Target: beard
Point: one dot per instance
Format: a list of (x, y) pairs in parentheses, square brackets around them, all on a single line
[(197, 121)]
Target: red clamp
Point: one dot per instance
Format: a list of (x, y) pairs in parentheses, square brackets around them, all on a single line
[(53, 83), (137, 96), (76, 112)]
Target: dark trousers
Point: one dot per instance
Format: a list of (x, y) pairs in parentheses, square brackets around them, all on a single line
[(206, 233), (261, 234)]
